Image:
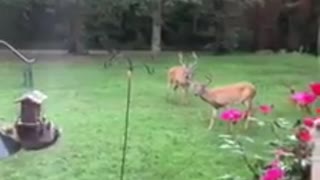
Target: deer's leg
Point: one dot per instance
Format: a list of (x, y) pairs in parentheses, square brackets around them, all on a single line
[(248, 113), (185, 95), (175, 88), (213, 117), (169, 86)]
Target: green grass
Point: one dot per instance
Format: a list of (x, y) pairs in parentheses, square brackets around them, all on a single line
[(166, 140)]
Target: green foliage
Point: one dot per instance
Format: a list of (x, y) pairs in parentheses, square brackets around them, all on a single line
[(196, 24), (296, 167), (25, 3)]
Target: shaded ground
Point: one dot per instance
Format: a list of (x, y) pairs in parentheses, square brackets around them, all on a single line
[(167, 140)]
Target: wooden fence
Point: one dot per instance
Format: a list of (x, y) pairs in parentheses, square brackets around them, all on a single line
[(315, 160)]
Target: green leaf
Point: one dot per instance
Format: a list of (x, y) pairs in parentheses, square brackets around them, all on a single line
[(297, 123), (292, 138), (261, 123), (237, 151), (278, 125), (225, 146), (226, 177), (281, 123), (249, 139), (224, 136), (274, 143), (256, 156), (231, 142)]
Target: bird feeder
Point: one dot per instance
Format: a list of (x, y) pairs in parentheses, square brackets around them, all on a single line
[(30, 103), (33, 131)]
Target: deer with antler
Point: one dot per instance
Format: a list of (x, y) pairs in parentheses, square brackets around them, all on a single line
[(181, 76), (224, 96)]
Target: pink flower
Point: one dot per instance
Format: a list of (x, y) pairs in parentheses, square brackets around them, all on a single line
[(273, 173), (266, 109), (304, 98), (304, 135), (315, 87), (317, 122), (231, 115), (308, 122)]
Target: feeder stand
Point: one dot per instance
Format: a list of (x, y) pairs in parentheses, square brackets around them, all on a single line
[(32, 130)]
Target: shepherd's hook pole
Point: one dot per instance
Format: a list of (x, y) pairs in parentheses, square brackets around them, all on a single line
[(125, 139), (28, 76)]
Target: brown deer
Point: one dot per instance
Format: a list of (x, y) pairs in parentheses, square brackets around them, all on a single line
[(224, 96), (181, 76)]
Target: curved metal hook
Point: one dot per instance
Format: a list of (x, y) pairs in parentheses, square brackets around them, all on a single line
[(108, 63), (27, 75), (17, 53), (149, 69)]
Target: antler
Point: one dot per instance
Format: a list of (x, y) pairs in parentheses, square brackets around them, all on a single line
[(195, 57), (209, 78), (180, 56)]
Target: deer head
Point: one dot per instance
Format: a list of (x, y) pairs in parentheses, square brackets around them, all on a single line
[(190, 67), (200, 88)]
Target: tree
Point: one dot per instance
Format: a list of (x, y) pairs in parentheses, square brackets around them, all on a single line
[(157, 21), (317, 7), (76, 41), (156, 27), (111, 14)]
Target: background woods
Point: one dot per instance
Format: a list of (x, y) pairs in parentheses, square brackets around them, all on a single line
[(215, 25)]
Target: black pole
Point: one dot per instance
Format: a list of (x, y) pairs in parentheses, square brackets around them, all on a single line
[(125, 139), (30, 76)]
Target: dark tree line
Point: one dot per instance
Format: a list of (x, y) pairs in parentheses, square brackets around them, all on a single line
[(215, 25)]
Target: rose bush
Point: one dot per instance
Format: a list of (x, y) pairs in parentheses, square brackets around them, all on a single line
[(292, 149)]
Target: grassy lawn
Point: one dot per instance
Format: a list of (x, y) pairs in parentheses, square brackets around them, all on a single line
[(167, 140)]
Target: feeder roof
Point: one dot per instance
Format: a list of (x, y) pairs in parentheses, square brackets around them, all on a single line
[(34, 96)]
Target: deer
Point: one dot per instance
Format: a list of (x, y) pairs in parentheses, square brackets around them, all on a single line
[(180, 76), (224, 96)]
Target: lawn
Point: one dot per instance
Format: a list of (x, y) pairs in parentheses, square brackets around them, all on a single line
[(167, 140)]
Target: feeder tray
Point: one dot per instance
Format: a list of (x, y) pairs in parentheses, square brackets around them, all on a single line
[(37, 136), (8, 146)]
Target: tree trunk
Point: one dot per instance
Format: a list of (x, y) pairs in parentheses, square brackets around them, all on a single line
[(156, 27), (76, 43), (318, 40)]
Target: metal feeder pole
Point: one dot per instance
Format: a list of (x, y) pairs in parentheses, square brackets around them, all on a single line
[(27, 75)]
